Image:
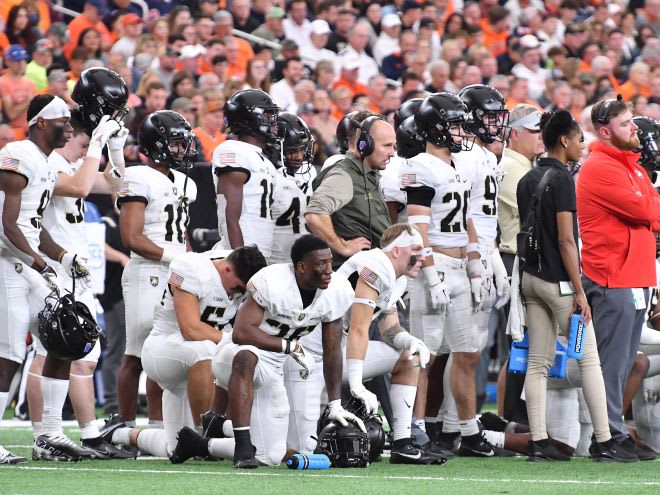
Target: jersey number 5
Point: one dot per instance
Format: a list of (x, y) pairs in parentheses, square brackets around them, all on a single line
[(212, 315)]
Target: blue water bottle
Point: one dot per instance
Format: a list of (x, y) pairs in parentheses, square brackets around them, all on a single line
[(576, 333), (308, 461)]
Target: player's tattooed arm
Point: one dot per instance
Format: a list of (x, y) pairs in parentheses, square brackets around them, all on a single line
[(389, 326), (332, 358)]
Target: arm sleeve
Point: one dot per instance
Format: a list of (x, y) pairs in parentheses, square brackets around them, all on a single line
[(334, 192), (422, 196)]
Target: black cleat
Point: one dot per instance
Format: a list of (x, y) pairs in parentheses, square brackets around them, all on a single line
[(545, 450), (190, 444), (644, 453), (611, 451), (7, 457), (58, 448), (111, 425), (404, 452), (435, 449), (475, 446), (449, 441), (105, 450), (212, 423), (245, 460), (493, 422)]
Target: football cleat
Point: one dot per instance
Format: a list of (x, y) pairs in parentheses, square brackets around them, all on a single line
[(111, 424), (245, 460), (545, 450), (475, 446), (437, 449), (212, 423), (404, 452), (58, 448), (190, 444), (611, 451), (449, 441), (7, 457), (106, 450), (644, 453)]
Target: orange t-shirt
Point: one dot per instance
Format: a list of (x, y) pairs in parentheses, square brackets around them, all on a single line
[(42, 7), (495, 42), (17, 90), (209, 142), (355, 88), (630, 89), (77, 26)]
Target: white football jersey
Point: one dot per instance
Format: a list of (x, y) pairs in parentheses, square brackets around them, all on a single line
[(195, 273), (391, 185), (166, 213), (274, 288), (450, 206), (64, 219), (290, 200), (27, 159), (256, 220), (481, 166)]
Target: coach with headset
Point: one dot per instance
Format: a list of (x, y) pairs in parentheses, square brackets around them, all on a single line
[(348, 209), (618, 211)]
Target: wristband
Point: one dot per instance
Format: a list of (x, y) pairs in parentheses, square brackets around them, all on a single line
[(95, 150), (288, 346), (61, 255), (420, 219), (168, 255), (472, 247), (354, 373)]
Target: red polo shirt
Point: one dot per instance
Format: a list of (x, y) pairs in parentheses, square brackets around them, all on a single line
[(618, 210)]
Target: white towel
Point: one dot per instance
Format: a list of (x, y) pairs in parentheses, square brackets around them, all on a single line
[(516, 324)]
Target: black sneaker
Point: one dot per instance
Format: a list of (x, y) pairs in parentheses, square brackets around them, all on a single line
[(545, 450), (246, 460), (475, 446), (58, 448), (190, 444), (449, 441), (212, 425), (644, 453), (435, 448), (611, 451), (7, 457), (105, 450), (111, 424), (404, 452), (493, 422)]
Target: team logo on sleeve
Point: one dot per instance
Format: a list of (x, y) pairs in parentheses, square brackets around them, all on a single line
[(301, 316), (176, 280), (18, 267), (153, 280), (228, 158), (369, 277), (9, 163)]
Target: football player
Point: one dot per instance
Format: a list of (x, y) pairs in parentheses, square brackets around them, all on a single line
[(27, 182), (379, 277), (154, 201), (267, 329), (243, 175), (438, 203), (194, 315), (293, 186)]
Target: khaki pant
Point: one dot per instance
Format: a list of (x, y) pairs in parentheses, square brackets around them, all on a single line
[(547, 313)]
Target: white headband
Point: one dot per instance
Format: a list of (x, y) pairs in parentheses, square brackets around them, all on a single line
[(56, 109), (404, 240), (530, 121)]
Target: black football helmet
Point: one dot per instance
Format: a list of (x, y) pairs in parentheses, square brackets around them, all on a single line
[(435, 118), (296, 137), (488, 116), (407, 109), (67, 328), (345, 446), (344, 131), (648, 132), (166, 137), (99, 92), (408, 141), (252, 112), (374, 425)]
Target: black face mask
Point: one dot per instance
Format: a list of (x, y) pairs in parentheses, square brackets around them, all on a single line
[(413, 261)]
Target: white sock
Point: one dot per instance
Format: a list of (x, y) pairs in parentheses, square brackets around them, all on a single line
[(495, 438), (222, 448), (153, 442), (36, 429), (156, 423), (228, 429), (121, 436), (4, 397), (130, 424), (420, 424), (402, 398), (450, 423), (469, 427), (89, 430), (54, 392)]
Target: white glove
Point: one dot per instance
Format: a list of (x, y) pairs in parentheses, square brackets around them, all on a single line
[(438, 296), (301, 357), (116, 151), (475, 271), (354, 372), (78, 270), (337, 413), (100, 136), (405, 341), (501, 280)]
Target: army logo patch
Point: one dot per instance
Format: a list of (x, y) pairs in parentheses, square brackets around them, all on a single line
[(154, 281), (301, 316), (18, 267)]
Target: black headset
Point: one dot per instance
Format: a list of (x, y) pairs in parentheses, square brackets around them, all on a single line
[(602, 117), (365, 143)]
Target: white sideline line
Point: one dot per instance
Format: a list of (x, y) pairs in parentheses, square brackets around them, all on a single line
[(349, 476)]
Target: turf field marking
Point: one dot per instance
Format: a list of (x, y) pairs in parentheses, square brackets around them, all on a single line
[(349, 476)]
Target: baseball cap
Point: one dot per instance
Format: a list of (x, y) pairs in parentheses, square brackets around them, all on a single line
[(275, 13), (530, 122), (16, 53), (409, 5), (192, 51), (427, 22), (390, 20), (214, 106), (131, 18), (182, 103), (319, 26), (575, 28), (42, 45), (100, 5), (350, 62), (528, 41)]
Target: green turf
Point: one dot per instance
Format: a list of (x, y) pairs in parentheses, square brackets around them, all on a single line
[(458, 476)]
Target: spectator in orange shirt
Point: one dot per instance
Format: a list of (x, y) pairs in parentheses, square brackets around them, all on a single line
[(224, 23), (375, 91), (182, 83), (16, 90), (602, 66), (519, 93), (589, 51), (89, 18), (342, 99), (209, 131), (189, 59), (638, 81), (214, 47), (236, 68), (496, 30), (350, 69), (19, 30), (78, 58)]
